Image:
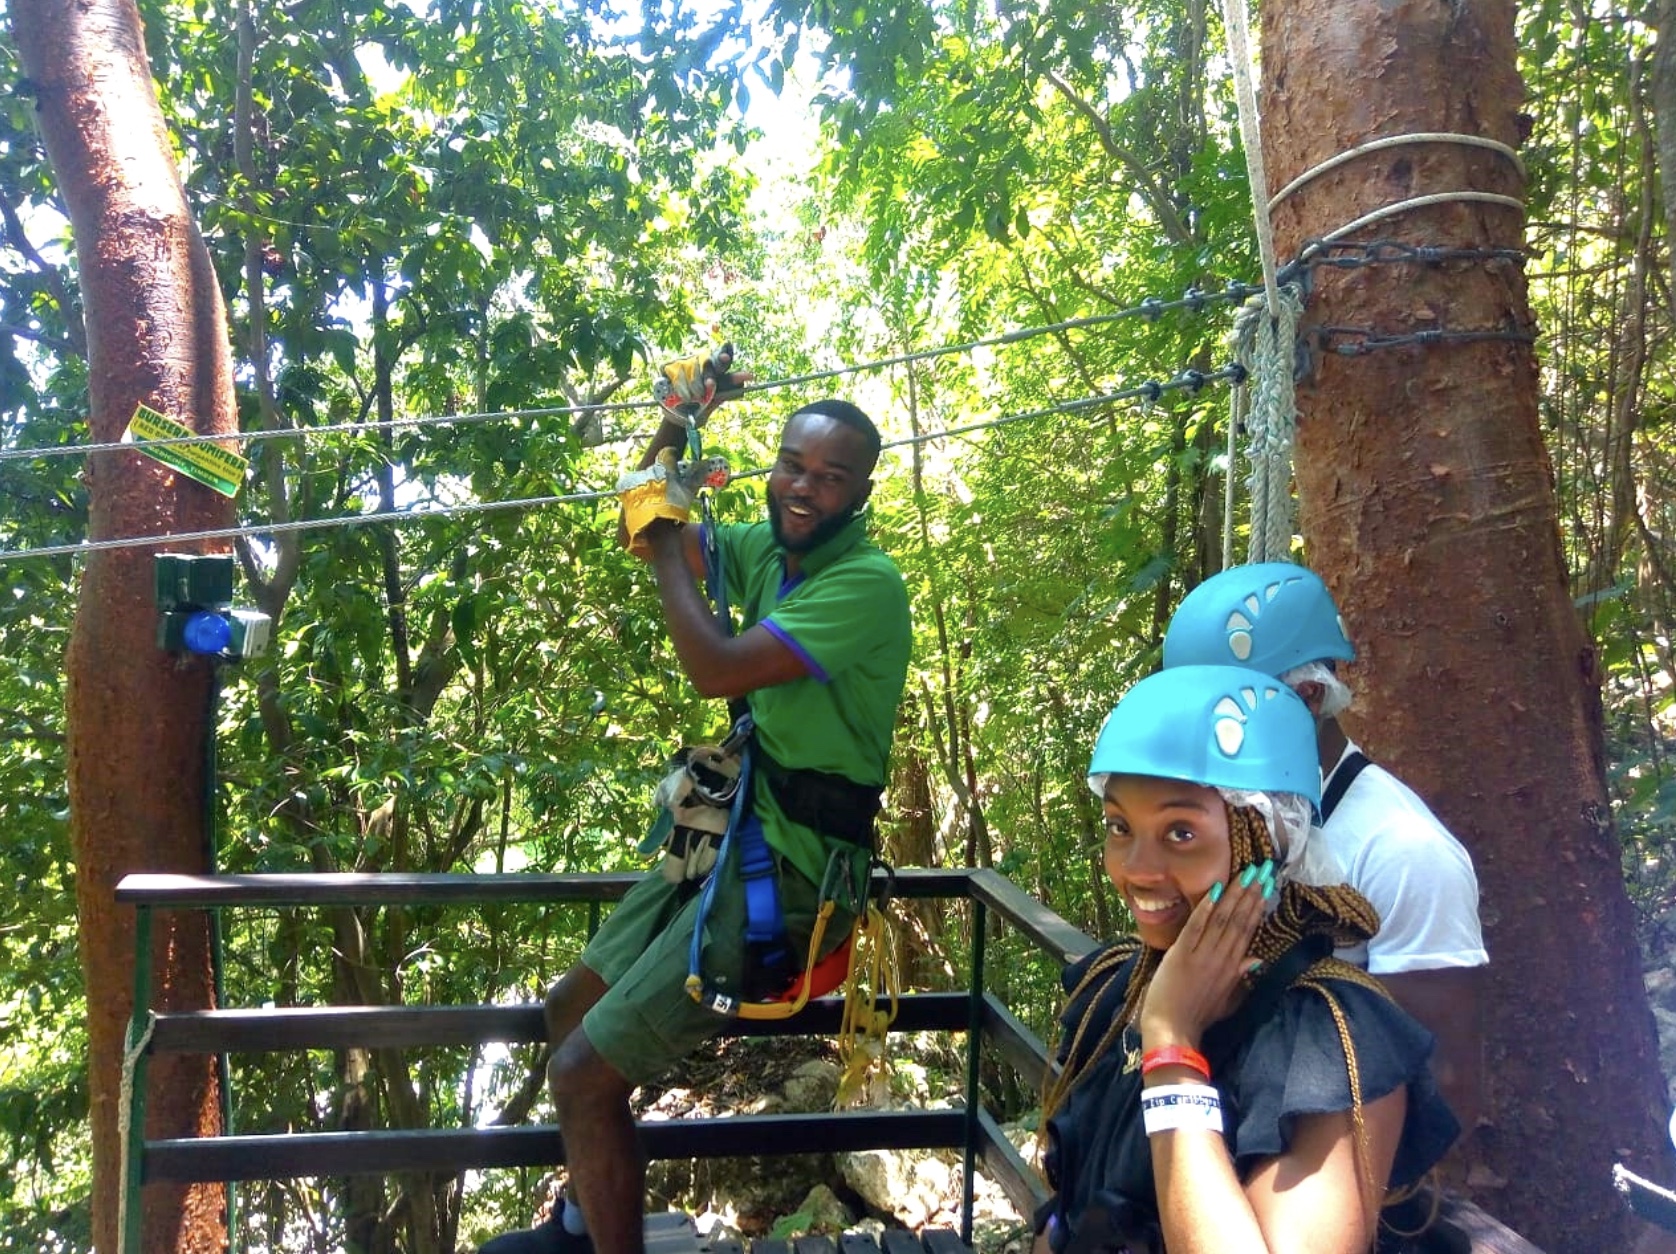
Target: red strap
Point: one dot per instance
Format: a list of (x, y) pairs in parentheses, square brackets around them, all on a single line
[(828, 974), (1175, 1055)]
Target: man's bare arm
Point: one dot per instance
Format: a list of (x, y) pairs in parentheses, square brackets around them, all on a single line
[(719, 665)]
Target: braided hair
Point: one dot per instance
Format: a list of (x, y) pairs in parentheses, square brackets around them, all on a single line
[(1337, 911)]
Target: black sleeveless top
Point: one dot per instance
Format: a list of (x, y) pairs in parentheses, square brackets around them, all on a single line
[(1290, 1064)]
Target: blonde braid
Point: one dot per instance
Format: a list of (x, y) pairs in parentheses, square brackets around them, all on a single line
[(1340, 912), (1056, 1087)]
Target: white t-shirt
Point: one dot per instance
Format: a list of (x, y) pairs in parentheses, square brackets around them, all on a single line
[(1394, 852)]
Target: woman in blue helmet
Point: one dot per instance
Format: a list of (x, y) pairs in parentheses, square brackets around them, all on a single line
[(1226, 1084)]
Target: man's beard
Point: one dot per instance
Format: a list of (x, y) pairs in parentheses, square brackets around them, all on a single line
[(824, 530)]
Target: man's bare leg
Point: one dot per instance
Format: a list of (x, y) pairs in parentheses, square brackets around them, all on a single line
[(573, 994), (567, 1002), (602, 1148)]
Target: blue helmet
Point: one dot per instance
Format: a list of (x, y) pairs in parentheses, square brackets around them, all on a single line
[(1270, 616), (1221, 726)]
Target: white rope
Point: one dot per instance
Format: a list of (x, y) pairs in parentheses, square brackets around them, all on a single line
[(1234, 18), (1416, 202), (1265, 346), (1236, 420), (1396, 141), (124, 1121)]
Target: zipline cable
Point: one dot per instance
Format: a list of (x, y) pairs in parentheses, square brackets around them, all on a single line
[(1194, 301), (1187, 380)]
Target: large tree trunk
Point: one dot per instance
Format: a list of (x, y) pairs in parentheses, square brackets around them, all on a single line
[(157, 333), (1427, 504)]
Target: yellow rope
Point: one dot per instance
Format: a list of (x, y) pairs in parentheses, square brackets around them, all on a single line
[(784, 1009), (862, 1035)]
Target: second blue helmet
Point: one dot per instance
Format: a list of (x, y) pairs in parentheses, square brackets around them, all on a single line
[(1270, 616), (1220, 726)]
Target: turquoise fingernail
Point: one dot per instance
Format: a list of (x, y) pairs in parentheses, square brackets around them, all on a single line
[(1268, 889), (1249, 874), (1216, 892), (1268, 871)]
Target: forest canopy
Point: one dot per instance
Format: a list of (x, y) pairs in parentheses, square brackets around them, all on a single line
[(454, 239)]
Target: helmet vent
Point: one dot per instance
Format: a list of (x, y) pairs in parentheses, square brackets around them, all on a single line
[(1229, 725), (1239, 635)]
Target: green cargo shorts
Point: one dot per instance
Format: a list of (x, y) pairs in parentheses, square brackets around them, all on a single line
[(646, 1021)]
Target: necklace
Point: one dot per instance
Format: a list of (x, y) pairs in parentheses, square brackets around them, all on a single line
[(1131, 1042)]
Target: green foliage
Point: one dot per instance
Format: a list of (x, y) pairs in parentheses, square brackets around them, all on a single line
[(498, 209)]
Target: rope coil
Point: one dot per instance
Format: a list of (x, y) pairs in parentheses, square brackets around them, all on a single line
[(1266, 346)]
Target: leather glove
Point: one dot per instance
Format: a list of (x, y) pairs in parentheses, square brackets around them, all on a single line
[(690, 388), (665, 489), (697, 797)]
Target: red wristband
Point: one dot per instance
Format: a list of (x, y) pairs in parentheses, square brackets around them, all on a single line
[(1175, 1055)]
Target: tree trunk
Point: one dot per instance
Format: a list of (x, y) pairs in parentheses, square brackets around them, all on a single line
[(1427, 503), (157, 333)]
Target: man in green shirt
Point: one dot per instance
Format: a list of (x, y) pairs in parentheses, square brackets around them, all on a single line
[(821, 662)]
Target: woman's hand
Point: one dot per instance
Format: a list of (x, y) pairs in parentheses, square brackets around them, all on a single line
[(1198, 981)]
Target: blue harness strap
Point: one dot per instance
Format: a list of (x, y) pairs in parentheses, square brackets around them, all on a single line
[(765, 922), (768, 952)]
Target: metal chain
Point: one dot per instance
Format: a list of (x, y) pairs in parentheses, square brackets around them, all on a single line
[(1359, 341), (1353, 254)]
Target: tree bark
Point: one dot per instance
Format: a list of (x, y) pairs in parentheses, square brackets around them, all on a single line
[(1427, 504), (157, 333)]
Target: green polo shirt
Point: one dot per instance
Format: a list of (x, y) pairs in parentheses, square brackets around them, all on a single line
[(846, 616)]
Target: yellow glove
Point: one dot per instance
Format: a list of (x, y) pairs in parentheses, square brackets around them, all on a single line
[(665, 489), (690, 388)]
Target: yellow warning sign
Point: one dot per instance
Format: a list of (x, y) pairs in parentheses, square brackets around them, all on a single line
[(209, 464)]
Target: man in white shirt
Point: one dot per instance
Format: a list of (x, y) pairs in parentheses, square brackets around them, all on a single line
[(1279, 618)]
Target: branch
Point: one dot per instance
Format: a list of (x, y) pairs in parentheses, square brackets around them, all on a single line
[(39, 337), (35, 730), (1168, 218), (50, 275)]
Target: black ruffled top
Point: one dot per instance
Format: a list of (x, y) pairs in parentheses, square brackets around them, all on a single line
[(1290, 1064)]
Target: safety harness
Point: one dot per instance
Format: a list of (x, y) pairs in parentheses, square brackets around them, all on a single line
[(827, 803), (1339, 783)]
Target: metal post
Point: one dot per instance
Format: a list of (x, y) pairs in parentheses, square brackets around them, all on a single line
[(212, 864), (134, 1097), (974, 1059)]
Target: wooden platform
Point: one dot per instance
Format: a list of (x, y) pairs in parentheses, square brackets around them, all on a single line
[(671, 1232)]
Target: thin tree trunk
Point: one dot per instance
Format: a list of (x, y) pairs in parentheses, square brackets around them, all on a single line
[(1663, 99), (157, 333), (1427, 502)]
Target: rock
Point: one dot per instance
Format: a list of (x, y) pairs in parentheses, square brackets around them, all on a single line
[(1661, 988), (913, 1185), (812, 1087), (823, 1212), (1666, 1022)]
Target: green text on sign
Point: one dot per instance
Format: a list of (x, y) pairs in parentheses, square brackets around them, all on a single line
[(209, 464)]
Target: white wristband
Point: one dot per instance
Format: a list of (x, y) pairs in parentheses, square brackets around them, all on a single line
[(1165, 1107)]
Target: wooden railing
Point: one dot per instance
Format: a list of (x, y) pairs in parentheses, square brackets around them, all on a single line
[(229, 1158)]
